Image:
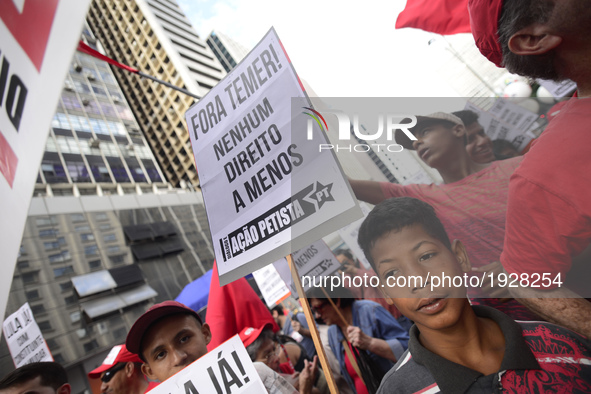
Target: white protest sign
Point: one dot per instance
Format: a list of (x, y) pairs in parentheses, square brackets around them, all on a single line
[(313, 262), (558, 89), (24, 339), (495, 123), (271, 286), (267, 189), (38, 40), (350, 232), (226, 369)]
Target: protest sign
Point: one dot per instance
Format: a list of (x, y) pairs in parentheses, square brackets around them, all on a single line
[(24, 339), (558, 89), (267, 189), (226, 369), (313, 263), (506, 121), (271, 286), (38, 40)]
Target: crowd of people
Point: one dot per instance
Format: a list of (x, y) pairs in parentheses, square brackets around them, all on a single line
[(495, 213)]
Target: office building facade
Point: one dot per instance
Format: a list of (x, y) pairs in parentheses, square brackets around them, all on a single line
[(155, 37)]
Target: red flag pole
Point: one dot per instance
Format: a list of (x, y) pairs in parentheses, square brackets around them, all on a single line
[(82, 47)]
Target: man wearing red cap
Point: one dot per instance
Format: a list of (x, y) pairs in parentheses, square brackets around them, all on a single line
[(170, 336), (549, 206), (121, 373)]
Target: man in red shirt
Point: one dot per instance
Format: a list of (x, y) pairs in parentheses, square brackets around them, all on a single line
[(549, 203)]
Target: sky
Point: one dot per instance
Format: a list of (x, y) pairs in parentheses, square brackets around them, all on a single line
[(341, 48)]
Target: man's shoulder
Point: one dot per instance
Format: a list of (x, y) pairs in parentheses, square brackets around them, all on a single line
[(407, 377)]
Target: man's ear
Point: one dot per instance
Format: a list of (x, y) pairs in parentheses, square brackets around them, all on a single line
[(457, 247), (64, 389), (146, 370), (459, 130), (206, 333), (129, 369), (534, 39)]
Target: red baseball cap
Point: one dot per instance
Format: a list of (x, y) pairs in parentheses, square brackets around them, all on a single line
[(145, 321), (484, 22), (119, 354), (249, 334)]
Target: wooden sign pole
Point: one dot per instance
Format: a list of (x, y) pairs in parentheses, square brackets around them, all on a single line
[(312, 325)]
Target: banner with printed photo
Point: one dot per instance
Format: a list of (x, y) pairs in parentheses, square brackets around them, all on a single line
[(225, 369), (507, 121), (24, 339), (267, 190), (38, 41)]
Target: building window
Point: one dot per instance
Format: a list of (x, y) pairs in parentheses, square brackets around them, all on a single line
[(94, 264), (120, 259), (58, 358), (51, 245), (77, 217), (45, 221), (113, 249), (101, 216), (110, 237), (91, 250), (70, 300), (120, 333), (44, 325), (54, 171), (59, 272), (80, 229), (87, 237), (37, 309), (22, 265), (60, 257), (47, 233), (75, 316), (32, 295), (29, 277), (78, 171), (89, 346)]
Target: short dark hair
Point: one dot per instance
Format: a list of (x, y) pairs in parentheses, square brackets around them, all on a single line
[(395, 214), (278, 308), (253, 348), (516, 15), (52, 375), (467, 116), (334, 292)]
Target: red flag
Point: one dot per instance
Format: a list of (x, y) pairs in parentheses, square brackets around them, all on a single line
[(233, 307), (437, 16), (82, 47)]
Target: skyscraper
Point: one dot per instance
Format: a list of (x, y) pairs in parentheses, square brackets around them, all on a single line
[(155, 37), (228, 51)]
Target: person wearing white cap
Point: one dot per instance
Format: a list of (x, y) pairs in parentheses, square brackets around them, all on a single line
[(471, 202), (121, 373)]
